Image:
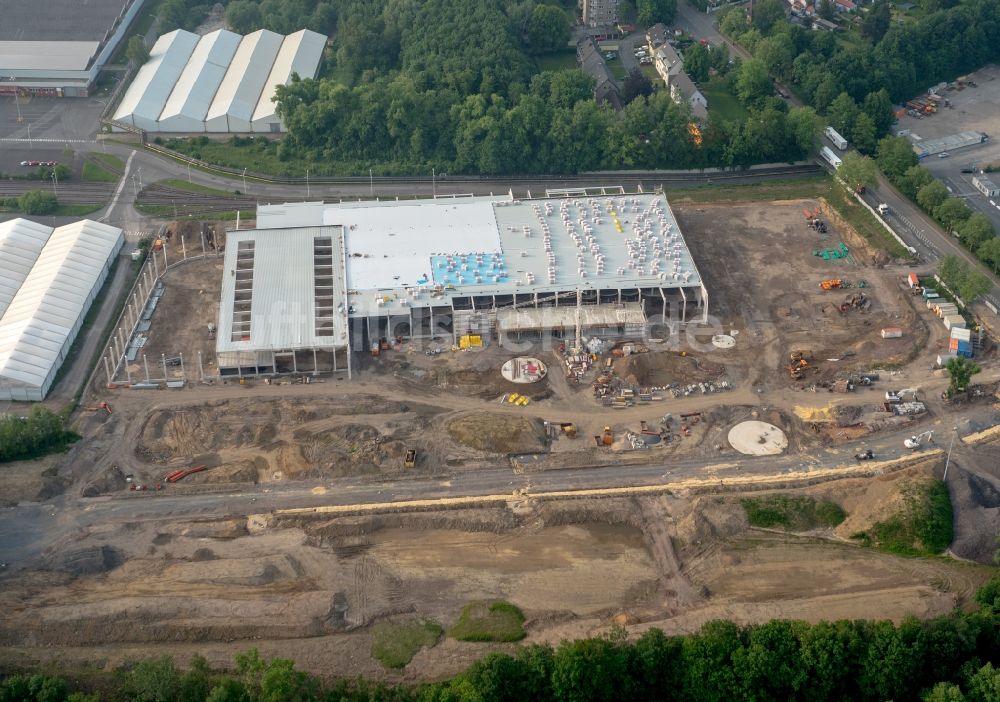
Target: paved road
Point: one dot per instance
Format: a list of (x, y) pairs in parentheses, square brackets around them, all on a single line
[(28, 529), (701, 25)]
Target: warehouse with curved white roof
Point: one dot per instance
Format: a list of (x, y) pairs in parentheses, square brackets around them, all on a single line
[(21, 242), (41, 321), (221, 82)]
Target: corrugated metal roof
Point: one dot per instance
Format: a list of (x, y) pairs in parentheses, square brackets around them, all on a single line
[(145, 98), (282, 285), (51, 301), (195, 89), (47, 55), (21, 241), (300, 53), (243, 83)]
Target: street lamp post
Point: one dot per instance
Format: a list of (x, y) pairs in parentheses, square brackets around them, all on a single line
[(308, 192), (433, 183), (371, 182), (55, 184), (244, 181)]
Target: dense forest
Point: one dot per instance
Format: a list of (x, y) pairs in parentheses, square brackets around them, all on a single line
[(948, 659)]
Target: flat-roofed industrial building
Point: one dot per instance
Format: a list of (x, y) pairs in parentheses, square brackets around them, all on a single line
[(494, 267)]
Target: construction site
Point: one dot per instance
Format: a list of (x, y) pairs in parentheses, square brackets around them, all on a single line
[(291, 496)]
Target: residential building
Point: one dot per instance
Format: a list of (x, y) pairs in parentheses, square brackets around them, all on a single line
[(682, 89), (591, 61), (598, 13)]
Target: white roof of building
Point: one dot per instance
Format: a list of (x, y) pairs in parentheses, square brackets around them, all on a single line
[(47, 55), (148, 93), (20, 243), (195, 89), (52, 299), (498, 245), (219, 82), (243, 83), (276, 276), (300, 53)]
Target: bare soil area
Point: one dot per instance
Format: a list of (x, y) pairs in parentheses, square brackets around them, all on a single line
[(310, 586)]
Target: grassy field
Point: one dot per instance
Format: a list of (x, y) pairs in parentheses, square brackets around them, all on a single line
[(722, 101), (93, 173), (110, 160), (792, 512), (489, 621), (395, 643), (184, 185), (562, 61)]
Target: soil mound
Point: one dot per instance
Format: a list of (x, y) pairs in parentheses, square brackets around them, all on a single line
[(499, 433)]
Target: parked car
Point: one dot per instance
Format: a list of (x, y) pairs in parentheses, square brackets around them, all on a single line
[(51, 163), (943, 154)]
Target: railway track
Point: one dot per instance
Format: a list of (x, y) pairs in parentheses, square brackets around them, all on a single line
[(67, 193)]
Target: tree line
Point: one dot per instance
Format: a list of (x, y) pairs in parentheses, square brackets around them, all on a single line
[(948, 659), (41, 432)]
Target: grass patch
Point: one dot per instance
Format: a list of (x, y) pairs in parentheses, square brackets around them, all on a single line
[(924, 526), (810, 187), (792, 512), (110, 160), (722, 101), (184, 185), (863, 221), (559, 61), (93, 173), (617, 69), (489, 621), (395, 643)]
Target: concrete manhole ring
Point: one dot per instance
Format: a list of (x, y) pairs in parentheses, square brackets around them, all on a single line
[(523, 370), (755, 438), (723, 341)]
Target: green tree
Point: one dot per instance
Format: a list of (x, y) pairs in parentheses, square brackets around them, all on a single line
[(842, 112), (697, 63), (228, 690), (626, 11), (548, 29), (592, 669), (37, 202), (649, 12), (752, 83), (895, 156), (951, 213), (984, 684), (636, 85), (975, 231), (825, 10), (960, 372), (776, 53), (989, 252), (944, 692), (767, 13), (244, 16), (857, 170), (803, 128), (136, 51), (915, 178), (876, 22), (932, 196), (154, 680), (878, 106), (863, 133), (734, 22)]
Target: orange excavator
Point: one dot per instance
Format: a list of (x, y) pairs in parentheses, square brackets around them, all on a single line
[(97, 408), (831, 284)]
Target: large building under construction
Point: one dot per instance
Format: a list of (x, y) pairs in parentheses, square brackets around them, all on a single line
[(317, 280)]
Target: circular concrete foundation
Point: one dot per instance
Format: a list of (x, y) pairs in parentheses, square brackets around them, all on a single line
[(523, 370), (723, 341), (758, 439)]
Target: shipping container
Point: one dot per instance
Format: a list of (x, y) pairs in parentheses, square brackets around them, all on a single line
[(929, 293), (961, 333), (892, 333), (943, 358), (953, 344), (954, 320), (946, 310), (913, 280)]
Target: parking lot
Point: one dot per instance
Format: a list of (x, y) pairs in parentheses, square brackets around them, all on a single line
[(974, 109), (48, 120)]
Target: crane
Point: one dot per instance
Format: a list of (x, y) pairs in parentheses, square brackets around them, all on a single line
[(917, 441)]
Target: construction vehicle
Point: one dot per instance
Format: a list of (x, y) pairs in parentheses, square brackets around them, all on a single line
[(568, 429), (98, 407), (831, 284), (157, 244), (865, 455), (411, 458), (607, 438), (176, 475), (915, 442)]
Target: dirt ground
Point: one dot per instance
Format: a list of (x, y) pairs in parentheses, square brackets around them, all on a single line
[(781, 308), (310, 586)]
